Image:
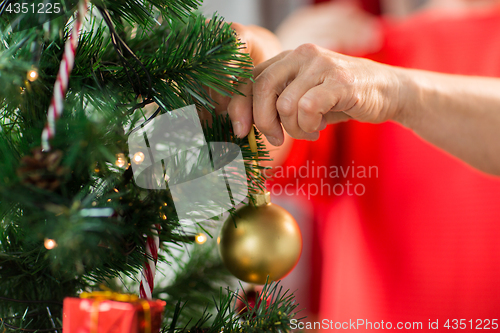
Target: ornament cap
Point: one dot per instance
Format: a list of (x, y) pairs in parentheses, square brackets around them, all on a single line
[(260, 198)]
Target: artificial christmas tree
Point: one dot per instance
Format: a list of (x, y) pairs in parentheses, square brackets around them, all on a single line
[(76, 83)]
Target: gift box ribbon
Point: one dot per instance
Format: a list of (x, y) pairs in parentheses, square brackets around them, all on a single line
[(99, 296)]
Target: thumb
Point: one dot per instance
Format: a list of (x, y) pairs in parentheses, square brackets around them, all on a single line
[(334, 117)]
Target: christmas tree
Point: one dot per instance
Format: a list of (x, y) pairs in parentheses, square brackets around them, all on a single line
[(76, 82)]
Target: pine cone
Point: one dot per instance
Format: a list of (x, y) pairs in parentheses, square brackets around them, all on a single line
[(42, 169)]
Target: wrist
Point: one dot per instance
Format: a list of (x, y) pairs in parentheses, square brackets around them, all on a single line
[(409, 94)]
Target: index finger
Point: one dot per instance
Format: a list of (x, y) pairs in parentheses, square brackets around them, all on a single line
[(267, 88), (240, 108)]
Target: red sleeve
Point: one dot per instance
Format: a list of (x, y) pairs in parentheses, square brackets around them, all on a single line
[(370, 6)]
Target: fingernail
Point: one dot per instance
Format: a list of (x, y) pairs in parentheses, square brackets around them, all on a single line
[(238, 129), (312, 136), (274, 141)]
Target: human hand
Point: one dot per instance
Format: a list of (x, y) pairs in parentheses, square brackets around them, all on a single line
[(306, 89), (338, 26)]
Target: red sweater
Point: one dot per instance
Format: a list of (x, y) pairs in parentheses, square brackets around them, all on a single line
[(420, 239)]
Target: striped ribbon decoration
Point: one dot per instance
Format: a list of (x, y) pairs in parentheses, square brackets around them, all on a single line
[(149, 269), (61, 85)]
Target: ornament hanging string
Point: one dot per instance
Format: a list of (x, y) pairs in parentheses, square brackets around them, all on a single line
[(252, 142), (61, 85)]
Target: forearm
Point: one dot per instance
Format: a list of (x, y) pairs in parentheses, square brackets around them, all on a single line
[(459, 114)]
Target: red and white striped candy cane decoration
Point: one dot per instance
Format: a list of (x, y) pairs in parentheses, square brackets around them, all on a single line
[(61, 85), (149, 269)]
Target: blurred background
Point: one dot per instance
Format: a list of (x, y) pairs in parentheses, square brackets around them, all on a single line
[(270, 13)]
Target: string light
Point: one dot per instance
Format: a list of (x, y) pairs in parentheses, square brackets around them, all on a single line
[(138, 157), (120, 160), (32, 75), (201, 238), (49, 243)]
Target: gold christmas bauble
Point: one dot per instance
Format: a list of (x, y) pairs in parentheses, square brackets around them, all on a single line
[(266, 241)]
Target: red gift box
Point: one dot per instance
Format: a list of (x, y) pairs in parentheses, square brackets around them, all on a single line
[(108, 312)]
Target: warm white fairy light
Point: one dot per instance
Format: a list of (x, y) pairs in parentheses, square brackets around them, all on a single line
[(49, 243), (201, 238), (138, 157), (120, 160), (32, 75)]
